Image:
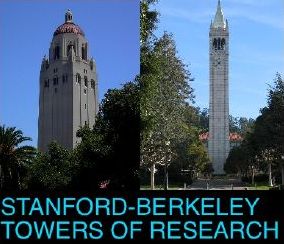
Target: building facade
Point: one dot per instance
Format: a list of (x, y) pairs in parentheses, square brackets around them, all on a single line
[(218, 143), (68, 96)]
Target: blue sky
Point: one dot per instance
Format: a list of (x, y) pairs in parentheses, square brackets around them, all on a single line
[(111, 28), (256, 46)]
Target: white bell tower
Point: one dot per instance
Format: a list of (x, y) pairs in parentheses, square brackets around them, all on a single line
[(218, 144)]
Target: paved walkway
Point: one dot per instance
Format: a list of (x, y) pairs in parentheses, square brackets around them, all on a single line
[(218, 184)]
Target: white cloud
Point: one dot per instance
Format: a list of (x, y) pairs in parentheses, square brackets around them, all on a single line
[(259, 11), (254, 3), (257, 16), (199, 17)]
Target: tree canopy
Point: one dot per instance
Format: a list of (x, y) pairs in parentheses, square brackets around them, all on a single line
[(263, 142), (14, 157), (168, 133)]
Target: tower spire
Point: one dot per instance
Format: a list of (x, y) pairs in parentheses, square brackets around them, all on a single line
[(219, 20), (68, 16)]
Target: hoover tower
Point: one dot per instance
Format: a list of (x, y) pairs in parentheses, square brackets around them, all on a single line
[(68, 96)]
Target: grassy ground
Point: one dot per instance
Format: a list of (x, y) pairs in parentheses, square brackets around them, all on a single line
[(260, 186)]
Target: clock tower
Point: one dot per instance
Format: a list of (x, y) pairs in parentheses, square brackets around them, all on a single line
[(218, 144)]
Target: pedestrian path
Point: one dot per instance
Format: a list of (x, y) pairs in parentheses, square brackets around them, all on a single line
[(218, 183)]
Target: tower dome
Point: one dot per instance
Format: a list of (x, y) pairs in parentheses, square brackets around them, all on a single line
[(69, 26)]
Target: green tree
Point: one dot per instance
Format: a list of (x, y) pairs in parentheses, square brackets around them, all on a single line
[(269, 126), (148, 21), (236, 162), (51, 171), (14, 158), (167, 119), (204, 120), (233, 124), (264, 136), (111, 150), (245, 125), (92, 155), (190, 154), (166, 102), (274, 115), (240, 125)]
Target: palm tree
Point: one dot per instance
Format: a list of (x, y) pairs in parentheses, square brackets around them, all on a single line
[(13, 157)]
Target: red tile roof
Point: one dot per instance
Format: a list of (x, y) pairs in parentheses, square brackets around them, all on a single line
[(233, 137), (68, 28)]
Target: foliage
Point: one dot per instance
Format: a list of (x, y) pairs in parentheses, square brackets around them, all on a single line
[(191, 154), (148, 20), (107, 156), (263, 142), (236, 162), (14, 157), (203, 119), (110, 151), (240, 125), (260, 178), (51, 171), (165, 92), (169, 124)]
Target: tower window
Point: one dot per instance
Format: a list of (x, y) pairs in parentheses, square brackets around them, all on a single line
[(64, 78), (223, 43), (85, 122), (46, 83), (219, 44), (55, 81), (56, 52), (93, 84), (86, 81), (85, 91), (69, 48), (78, 78), (84, 51), (85, 106), (215, 43)]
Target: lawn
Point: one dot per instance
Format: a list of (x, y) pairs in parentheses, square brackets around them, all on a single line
[(260, 186)]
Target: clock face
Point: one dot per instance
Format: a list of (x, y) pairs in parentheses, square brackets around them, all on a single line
[(217, 62)]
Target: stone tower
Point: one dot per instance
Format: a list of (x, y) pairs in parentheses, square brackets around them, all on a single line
[(218, 144), (68, 95)]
